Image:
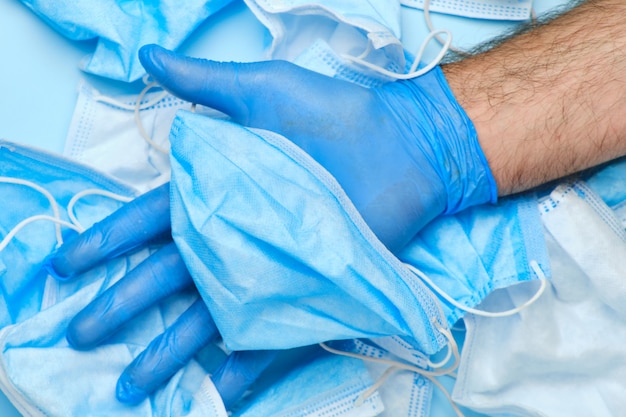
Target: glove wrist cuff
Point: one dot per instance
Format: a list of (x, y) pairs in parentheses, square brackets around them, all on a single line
[(455, 151)]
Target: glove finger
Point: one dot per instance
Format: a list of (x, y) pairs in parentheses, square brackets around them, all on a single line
[(167, 354), (239, 371), (136, 223), (156, 278)]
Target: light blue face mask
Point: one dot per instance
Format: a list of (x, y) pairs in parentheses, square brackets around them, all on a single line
[(40, 373), (278, 252), (122, 27), (359, 379), (282, 258), (403, 393)]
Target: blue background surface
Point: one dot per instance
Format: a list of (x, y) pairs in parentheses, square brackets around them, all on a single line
[(39, 73)]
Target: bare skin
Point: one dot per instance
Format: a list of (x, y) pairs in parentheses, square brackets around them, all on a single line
[(552, 101)]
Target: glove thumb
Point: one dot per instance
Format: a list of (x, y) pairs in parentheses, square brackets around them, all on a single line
[(260, 94), (229, 87)]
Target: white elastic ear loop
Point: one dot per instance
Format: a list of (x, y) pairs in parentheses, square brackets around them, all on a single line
[(533, 264), (142, 130), (432, 29), (139, 106), (413, 72), (131, 107), (91, 191), (396, 366), (74, 224), (453, 350), (7, 239), (53, 204)]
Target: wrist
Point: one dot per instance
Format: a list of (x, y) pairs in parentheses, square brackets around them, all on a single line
[(471, 182), (450, 141)]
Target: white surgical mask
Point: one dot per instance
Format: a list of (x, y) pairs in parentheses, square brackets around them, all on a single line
[(295, 24), (125, 136), (563, 355)]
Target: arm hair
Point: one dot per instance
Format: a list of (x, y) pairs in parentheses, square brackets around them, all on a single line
[(550, 100)]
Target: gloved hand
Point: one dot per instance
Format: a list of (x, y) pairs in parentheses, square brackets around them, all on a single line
[(138, 223), (404, 153)]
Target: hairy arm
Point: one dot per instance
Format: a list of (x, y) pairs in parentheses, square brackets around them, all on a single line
[(551, 101)]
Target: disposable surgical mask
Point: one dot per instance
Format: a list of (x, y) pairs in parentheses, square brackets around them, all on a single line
[(337, 385), (248, 205), (50, 198), (125, 136), (562, 356), (122, 27), (480, 9)]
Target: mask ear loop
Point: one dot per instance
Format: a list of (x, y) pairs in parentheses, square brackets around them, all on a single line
[(58, 222), (92, 191), (413, 72), (56, 219), (396, 366), (142, 130), (534, 266), (116, 103), (432, 29), (139, 106)]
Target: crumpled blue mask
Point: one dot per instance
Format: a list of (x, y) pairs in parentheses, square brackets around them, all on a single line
[(122, 27), (39, 372), (276, 249), (282, 258)]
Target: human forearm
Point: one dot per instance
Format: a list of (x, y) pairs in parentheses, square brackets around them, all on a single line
[(551, 101)]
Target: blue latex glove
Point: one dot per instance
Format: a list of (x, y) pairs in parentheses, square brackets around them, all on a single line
[(404, 153), (138, 223)]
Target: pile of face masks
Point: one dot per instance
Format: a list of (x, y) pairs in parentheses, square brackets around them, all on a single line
[(464, 257), (40, 373), (66, 198)]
